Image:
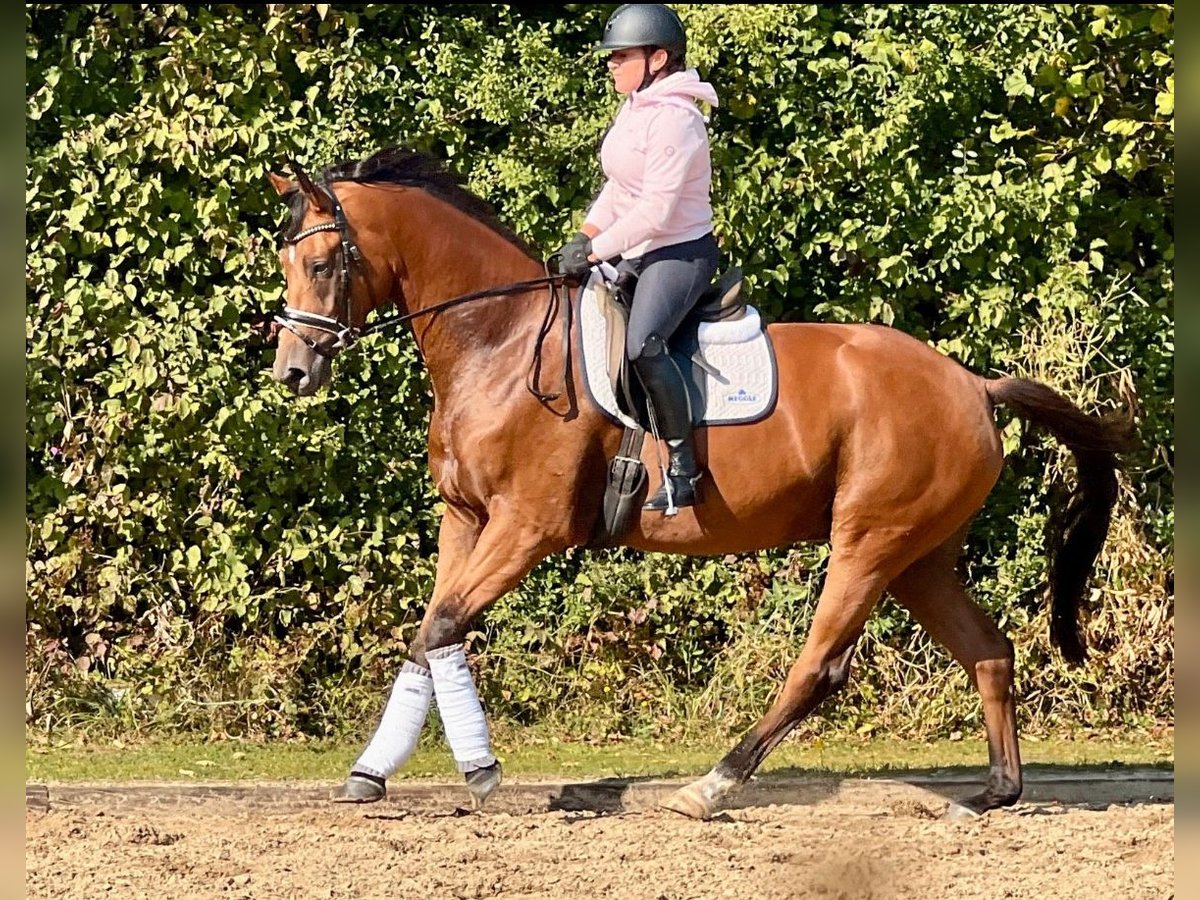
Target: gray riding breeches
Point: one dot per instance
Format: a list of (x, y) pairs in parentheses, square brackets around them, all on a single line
[(670, 280)]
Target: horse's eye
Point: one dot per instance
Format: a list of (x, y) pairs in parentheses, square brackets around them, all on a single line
[(320, 267)]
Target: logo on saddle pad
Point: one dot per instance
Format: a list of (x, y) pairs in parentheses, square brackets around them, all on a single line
[(742, 396)]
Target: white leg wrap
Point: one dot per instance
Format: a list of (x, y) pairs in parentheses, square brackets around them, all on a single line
[(458, 705), (400, 726)]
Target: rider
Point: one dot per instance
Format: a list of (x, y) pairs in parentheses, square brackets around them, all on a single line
[(654, 212)]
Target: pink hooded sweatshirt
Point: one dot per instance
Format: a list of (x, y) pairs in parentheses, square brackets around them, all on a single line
[(656, 162)]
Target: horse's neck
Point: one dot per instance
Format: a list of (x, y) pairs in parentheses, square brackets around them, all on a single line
[(448, 254)]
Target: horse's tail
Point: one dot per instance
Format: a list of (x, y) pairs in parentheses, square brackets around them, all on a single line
[(1077, 531)]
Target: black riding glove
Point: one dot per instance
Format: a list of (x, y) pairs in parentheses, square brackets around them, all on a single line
[(574, 256)]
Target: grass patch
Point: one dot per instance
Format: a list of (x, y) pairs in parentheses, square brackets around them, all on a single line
[(529, 754)]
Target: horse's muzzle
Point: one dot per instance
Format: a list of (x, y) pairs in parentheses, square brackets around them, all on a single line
[(300, 368)]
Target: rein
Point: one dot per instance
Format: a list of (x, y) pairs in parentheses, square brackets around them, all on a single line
[(347, 335), (517, 287)]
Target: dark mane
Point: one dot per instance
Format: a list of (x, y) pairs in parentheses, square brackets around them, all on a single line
[(398, 165)]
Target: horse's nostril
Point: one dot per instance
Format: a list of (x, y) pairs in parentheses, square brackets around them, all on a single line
[(294, 376)]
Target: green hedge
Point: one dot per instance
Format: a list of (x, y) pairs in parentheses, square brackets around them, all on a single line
[(206, 553)]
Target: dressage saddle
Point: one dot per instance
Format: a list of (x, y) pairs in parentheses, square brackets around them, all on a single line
[(721, 301)]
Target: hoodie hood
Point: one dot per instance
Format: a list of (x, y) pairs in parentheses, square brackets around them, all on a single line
[(684, 85)]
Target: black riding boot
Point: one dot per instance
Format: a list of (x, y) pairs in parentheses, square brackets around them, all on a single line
[(672, 412)]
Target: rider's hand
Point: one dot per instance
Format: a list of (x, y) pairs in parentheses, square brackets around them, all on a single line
[(574, 256)]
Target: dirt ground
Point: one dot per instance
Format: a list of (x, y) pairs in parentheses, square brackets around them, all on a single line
[(827, 850)]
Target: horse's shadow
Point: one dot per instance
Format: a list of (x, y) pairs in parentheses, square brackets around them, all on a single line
[(605, 796), (1087, 786)]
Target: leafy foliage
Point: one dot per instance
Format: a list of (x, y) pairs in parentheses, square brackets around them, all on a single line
[(206, 554)]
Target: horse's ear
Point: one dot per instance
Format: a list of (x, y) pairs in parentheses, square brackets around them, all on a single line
[(316, 197), (283, 186)]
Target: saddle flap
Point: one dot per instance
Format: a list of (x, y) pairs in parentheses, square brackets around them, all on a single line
[(616, 323)]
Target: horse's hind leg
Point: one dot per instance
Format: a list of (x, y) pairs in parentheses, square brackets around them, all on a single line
[(855, 579), (932, 590)]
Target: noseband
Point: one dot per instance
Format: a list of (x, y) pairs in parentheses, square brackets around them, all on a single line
[(342, 328)]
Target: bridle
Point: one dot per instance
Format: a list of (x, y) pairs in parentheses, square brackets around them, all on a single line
[(347, 334), (341, 327)]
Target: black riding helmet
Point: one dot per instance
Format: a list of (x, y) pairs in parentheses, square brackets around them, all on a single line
[(644, 25)]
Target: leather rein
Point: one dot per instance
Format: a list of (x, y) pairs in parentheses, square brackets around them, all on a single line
[(346, 334)]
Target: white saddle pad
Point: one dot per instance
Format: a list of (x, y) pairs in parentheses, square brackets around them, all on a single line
[(743, 389)]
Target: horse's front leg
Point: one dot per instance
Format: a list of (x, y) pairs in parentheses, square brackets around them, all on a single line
[(399, 728), (507, 549)]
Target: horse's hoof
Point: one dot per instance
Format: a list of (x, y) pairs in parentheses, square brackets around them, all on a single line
[(482, 782), (700, 799), (957, 812), (358, 789), (1004, 793), (689, 801)]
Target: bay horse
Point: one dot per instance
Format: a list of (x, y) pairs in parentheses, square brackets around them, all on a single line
[(877, 443)]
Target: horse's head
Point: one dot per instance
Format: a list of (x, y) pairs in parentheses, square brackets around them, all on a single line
[(410, 236), (324, 270)]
